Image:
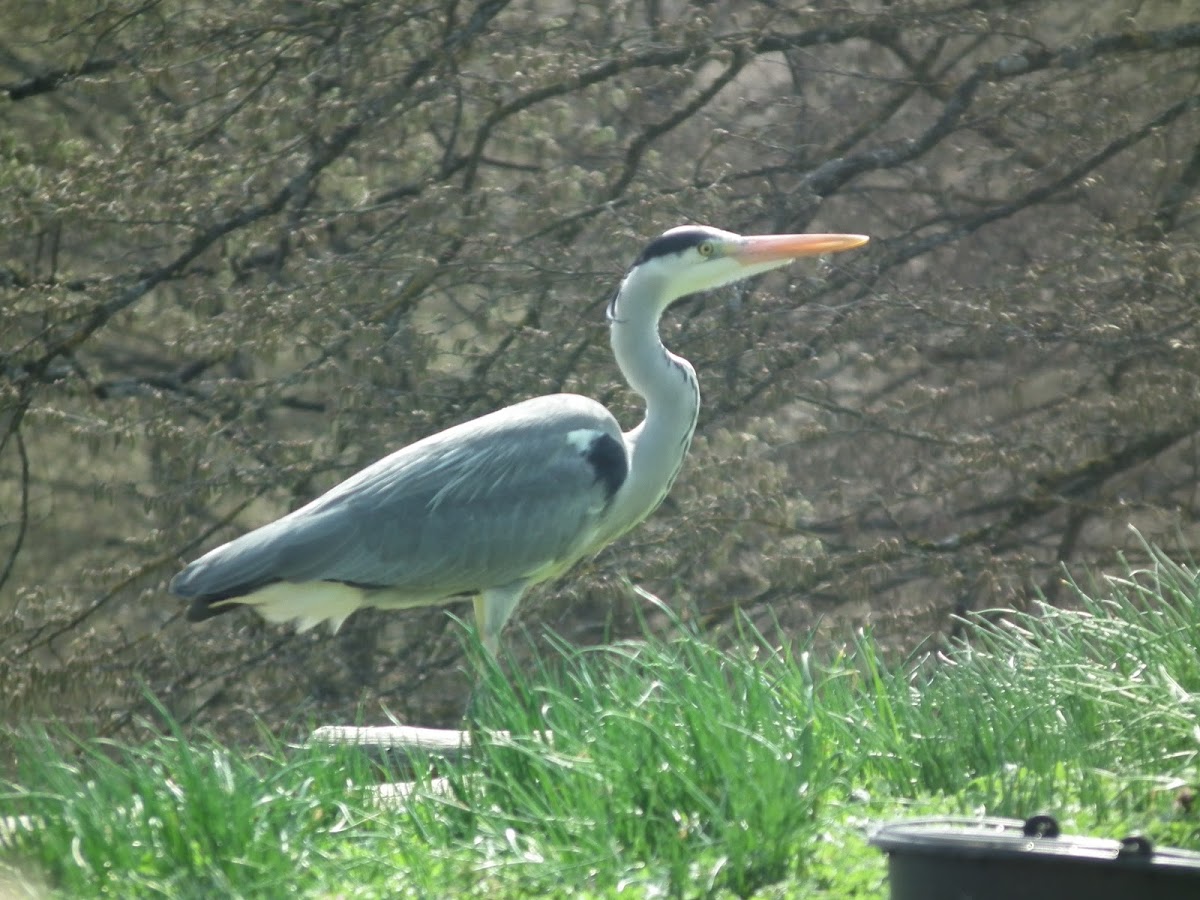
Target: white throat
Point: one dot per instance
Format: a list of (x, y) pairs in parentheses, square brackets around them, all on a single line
[(658, 445)]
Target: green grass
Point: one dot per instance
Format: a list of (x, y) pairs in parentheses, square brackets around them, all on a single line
[(675, 769)]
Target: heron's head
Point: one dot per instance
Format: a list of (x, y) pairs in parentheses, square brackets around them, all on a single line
[(694, 258)]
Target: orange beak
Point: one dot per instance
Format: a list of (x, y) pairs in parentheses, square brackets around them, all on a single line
[(770, 248)]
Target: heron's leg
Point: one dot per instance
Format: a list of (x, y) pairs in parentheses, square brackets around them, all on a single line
[(493, 608)]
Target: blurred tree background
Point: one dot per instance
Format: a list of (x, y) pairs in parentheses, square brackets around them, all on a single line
[(248, 248)]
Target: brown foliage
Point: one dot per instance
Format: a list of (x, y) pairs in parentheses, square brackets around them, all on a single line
[(248, 248)]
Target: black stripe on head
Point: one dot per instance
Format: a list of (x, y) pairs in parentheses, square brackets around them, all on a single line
[(674, 241)]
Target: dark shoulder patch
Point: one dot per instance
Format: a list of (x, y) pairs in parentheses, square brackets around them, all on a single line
[(674, 241), (606, 456)]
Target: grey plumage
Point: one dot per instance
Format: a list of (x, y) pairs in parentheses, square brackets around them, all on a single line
[(512, 498), (446, 515)]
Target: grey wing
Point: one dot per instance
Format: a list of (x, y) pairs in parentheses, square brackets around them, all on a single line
[(513, 495)]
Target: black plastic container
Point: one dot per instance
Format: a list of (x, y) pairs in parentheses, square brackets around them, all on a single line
[(1006, 859)]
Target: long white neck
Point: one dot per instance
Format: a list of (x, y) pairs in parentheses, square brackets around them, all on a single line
[(659, 443)]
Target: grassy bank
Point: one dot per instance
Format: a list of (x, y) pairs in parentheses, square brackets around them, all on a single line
[(675, 769)]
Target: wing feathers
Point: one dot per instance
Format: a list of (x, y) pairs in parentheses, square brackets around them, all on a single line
[(478, 505)]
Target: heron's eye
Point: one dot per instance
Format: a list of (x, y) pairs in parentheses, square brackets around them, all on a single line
[(705, 248)]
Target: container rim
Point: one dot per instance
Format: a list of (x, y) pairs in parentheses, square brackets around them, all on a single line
[(997, 838)]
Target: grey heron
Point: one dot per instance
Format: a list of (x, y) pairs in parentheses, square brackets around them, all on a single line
[(494, 505)]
